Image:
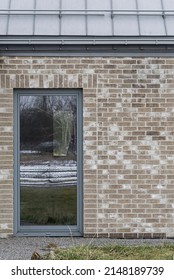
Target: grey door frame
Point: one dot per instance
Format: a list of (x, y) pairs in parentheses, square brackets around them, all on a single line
[(48, 230)]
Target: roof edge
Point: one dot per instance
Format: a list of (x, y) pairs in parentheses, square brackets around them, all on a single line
[(86, 40)]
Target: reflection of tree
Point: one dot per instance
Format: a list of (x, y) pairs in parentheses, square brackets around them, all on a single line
[(65, 112), (36, 120), (62, 132), (35, 127)]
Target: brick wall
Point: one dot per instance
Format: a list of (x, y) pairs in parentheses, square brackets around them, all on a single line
[(128, 139)]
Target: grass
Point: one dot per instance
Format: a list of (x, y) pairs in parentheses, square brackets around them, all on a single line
[(48, 206), (112, 252)]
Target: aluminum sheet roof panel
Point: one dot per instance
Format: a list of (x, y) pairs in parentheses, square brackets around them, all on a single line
[(3, 18), (168, 4), (149, 4), (87, 17), (100, 24), (46, 24), (71, 22)]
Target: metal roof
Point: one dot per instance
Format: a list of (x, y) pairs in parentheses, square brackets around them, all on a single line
[(87, 18), (86, 26)]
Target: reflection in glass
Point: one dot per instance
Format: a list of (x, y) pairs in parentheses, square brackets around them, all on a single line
[(48, 160)]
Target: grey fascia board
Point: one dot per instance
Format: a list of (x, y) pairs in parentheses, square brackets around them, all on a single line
[(87, 41)]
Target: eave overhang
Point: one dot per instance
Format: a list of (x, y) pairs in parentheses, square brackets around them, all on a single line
[(86, 45), (86, 40)]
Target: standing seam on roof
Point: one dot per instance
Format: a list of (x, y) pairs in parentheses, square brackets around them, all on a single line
[(164, 18), (8, 18)]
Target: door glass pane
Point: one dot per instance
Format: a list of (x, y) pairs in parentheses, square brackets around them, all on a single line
[(48, 160)]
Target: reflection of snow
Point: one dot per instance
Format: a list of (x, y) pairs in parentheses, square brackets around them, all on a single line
[(52, 173), (29, 152)]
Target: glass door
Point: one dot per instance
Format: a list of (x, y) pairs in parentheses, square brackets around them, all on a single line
[(49, 185)]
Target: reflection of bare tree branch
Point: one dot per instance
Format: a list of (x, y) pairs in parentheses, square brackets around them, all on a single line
[(39, 115), (49, 103)]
